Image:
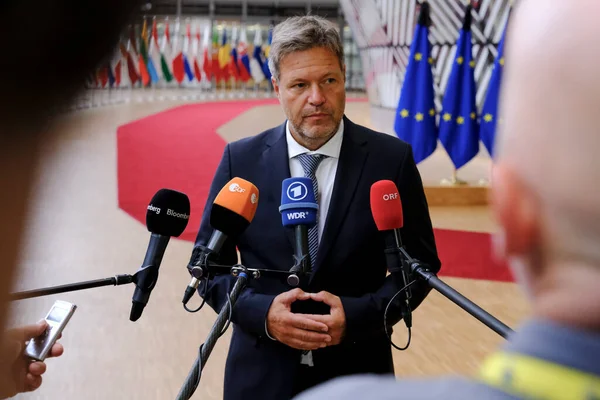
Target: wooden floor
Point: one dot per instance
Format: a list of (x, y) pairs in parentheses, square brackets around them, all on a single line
[(77, 233)]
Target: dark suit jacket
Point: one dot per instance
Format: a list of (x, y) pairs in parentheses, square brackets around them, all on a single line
[(350, 262)]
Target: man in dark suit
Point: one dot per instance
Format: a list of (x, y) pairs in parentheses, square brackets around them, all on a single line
[(274, 352)]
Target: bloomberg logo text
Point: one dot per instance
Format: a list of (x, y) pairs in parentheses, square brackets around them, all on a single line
[(177, 215), (155, 209)]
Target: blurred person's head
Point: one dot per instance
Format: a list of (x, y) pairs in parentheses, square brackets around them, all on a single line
[(306, 61), (546, 178), (49, 48)]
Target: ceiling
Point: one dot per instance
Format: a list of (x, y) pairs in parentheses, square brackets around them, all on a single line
[(262, 2), (274, 9)]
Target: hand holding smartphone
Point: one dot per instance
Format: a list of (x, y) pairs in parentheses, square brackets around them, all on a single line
[(57, 318)]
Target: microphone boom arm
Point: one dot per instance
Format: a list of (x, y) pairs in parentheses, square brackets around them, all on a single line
[(451, 294), (212, 269), (124, 279), (114, 281)]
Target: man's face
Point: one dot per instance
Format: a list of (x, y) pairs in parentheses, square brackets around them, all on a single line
[(312, 93)]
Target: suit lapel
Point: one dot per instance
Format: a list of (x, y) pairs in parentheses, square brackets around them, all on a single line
[(277, 164), (350, 165)]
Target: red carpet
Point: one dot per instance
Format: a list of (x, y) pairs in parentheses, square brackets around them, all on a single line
[(469, 255), (180, 149), (177, 149)]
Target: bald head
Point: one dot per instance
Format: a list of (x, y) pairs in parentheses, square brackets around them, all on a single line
[(549, 142)]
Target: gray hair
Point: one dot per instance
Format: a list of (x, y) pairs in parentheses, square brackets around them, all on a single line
[(303, 33)]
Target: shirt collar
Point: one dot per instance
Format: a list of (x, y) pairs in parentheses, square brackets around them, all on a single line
[(331, 149)]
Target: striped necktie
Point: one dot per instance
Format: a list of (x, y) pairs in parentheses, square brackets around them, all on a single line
[(310, 163)]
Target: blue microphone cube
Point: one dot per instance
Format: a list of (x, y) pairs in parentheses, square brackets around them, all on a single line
[(298, 205)]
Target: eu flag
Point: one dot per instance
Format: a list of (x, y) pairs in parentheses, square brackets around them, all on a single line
[(458, 123), (415, 117), (489, 112)]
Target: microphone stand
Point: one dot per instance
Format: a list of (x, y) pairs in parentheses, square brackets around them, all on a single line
[(301, 266), (114, 281), (434, 282), (193, 379), (242, 274)]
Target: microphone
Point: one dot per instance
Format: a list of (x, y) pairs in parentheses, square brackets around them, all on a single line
[(167, 215), (386, 208), (299, 211), (232, 211)]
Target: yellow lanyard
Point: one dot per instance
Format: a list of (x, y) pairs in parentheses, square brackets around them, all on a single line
[(532, 378)]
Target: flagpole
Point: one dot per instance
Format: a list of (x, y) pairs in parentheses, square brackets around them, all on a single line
[(454, 180), (103, 97), (129, 95), (458, 127), (91, 97), (118, 94), (212, 87)]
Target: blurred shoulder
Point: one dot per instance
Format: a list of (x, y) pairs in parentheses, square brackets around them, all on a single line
[(389, 388)]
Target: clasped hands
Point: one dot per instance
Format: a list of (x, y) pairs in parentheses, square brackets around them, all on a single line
[(306, 331)]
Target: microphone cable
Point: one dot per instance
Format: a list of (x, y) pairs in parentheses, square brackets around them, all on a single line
[(385, 326), (203, 299)]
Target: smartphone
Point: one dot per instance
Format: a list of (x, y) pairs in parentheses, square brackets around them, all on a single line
[(310, 307), (57, 318)]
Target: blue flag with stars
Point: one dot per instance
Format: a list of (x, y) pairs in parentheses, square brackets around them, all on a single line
[(458, 120), (415, 117), (489, 112)]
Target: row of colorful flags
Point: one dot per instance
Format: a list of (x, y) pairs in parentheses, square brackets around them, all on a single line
[(460, 126), (145, 59)]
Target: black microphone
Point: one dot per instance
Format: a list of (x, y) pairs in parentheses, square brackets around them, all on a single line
[(231, 213), (386, 208), (167, 215)]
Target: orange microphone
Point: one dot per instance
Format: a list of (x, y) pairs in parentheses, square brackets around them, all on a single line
[(234, 207), (231, 213)]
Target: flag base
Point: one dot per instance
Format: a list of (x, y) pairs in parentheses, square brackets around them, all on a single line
[(454, 181)]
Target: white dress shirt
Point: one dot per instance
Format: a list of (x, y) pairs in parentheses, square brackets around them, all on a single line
[(325, 171)]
